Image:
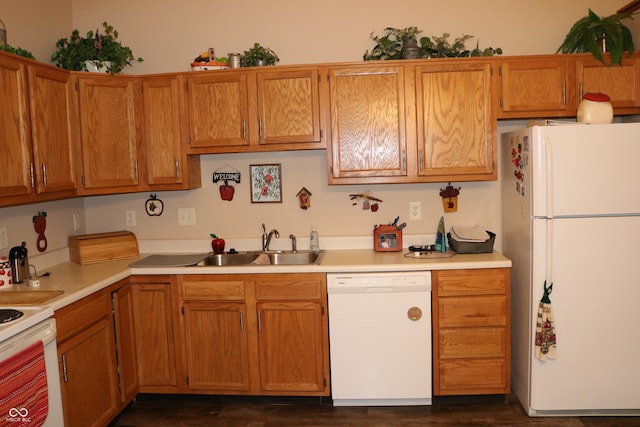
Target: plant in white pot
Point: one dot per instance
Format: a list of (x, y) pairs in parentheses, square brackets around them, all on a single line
[(101, 50)]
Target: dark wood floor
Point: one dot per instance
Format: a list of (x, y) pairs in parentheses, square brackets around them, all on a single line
[(188, 411)]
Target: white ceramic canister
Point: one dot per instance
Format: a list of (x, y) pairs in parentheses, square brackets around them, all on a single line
[(595, 108)]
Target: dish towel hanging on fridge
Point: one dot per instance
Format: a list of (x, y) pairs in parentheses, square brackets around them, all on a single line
[(545, 327), (23, 388)]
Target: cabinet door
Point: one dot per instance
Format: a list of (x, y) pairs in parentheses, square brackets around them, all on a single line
[(15, 136), (162, 131), (456, 139), (533, 88), (53, 129), (109, 133), (217, 105), (288, 107), (216, 346), (89, 382), (368, 128), (620, 82), (125, 343), (155, 345), (291, 346)]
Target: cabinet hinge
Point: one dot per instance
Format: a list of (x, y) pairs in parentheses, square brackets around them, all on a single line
[(500, 102), (182, 310), (77, 86), (500, 70), (82, 179), (186, 379), (321, 134), (186, 85), (324, 380), (322, 310)]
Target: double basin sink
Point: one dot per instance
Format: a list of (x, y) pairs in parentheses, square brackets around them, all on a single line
[(262, 258)]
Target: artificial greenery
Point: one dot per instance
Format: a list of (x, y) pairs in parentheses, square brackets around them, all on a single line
[(592, 32), (103, 49), (17, 51), (257, 52), (389, 45)]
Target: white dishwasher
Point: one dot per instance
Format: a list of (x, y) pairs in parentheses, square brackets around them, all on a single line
[(380, 338)]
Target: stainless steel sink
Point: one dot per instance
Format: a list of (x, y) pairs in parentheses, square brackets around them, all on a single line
[(262, 258), (294, 258), (242, 258)]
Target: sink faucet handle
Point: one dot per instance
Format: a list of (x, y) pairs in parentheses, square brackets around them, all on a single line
[(293, 243)]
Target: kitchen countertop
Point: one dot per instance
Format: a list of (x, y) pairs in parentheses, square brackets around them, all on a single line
[(78, 281)]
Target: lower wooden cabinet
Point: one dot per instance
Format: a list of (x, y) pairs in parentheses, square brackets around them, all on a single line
[(471, 331), (256, 334), (88, 367), (154, 311)]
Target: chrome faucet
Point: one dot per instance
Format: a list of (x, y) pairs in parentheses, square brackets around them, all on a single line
[(266, 238), (293, 243)]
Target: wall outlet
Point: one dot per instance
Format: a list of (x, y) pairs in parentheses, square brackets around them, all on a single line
[(187, 216), (415, 210), (130, 218), (76, 222), (4, 238)]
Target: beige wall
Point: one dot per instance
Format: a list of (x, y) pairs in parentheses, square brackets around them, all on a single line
[(170, 34)]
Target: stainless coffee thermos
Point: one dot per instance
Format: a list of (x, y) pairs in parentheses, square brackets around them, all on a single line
[(19, 259)]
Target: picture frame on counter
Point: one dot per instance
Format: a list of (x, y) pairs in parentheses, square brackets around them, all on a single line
[(266, 183)]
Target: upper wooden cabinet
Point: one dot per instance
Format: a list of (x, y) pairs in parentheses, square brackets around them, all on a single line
[(553, 85), (620, 82), (253, 110), (533, 86), (132, 134), (38, 128), (288, 107), (411, 121), (165, 136), (368, 123), (455, 122), (16, 160), (111, 147), (217, 105)]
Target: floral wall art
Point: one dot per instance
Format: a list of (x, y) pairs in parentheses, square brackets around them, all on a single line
[(266, 183)]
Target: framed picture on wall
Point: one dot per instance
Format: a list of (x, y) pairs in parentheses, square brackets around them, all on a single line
[(266, 183)]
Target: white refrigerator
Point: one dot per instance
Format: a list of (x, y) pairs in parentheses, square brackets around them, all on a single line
[(571, 218)]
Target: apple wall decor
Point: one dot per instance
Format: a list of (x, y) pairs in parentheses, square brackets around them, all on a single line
[(226, 191)]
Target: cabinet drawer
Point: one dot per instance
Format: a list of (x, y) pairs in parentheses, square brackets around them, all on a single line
[(476, 343), (472, 311), (82, 314), (288, 288), (472, 282), (473, 376), (208, 287)]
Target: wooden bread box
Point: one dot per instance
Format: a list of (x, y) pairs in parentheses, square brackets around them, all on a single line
[(102, 247)]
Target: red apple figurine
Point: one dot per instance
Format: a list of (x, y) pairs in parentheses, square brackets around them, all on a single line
[(217, 244), (226, 192)]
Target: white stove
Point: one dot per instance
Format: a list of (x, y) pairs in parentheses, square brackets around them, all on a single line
[(31, 315)]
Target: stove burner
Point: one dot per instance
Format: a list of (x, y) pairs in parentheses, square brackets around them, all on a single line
[(8, 315)]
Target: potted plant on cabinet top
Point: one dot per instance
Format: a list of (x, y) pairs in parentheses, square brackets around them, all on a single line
[(392, 45), (101, 50), (258, 55), (596, 34)]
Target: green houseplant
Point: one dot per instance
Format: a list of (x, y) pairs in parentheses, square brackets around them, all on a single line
[(390, 45), (258, 55), (105, 50), (16, 51), (596, 34)]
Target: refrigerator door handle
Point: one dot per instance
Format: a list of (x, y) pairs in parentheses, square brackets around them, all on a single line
[(549, 187)]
